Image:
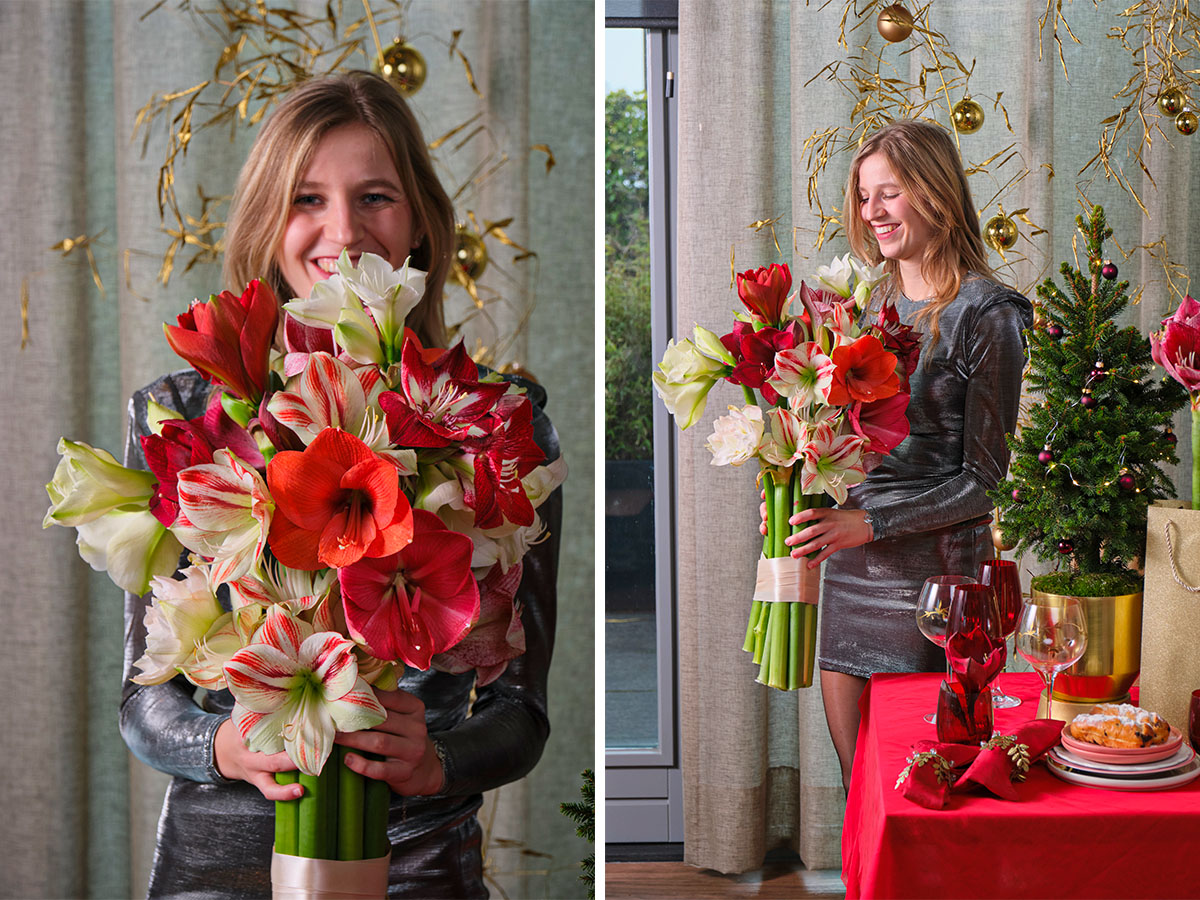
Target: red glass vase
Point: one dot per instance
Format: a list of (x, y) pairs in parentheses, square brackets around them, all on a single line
[(963, 716)]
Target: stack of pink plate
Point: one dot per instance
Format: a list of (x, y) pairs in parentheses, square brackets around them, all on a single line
[(1155, 768)]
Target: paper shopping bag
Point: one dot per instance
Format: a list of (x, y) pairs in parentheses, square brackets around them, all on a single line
[(1171, 613)]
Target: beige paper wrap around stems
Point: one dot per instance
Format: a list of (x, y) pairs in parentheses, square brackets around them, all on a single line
[(787, 580), (298, 878)]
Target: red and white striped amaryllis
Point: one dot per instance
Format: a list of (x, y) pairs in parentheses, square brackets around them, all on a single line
[(415, 603), (832, 462), (295, 688), (225, 513)]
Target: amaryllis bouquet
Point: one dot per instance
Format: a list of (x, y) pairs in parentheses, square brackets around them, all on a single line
[(1177, 349), (824, 389), (364, 501)]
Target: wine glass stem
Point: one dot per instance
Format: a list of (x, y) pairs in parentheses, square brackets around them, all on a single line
[(1050, 693)]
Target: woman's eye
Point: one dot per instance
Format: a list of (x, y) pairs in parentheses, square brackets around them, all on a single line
[(306, 200), (375, 199)]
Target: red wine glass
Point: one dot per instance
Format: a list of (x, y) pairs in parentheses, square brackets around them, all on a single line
[(1002, 577)]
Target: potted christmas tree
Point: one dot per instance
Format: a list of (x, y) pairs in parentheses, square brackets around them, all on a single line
[(1088, 462)]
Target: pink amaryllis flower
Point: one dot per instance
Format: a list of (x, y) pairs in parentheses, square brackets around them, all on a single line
[(225, 513), (504, 455), (438, 403), (864, 371), (228, 339), (1177, 347), (418, 602), (883, 424), (832, 462), (295, 688), (182, 443), (764, 291), (497, 635), (337, 501)]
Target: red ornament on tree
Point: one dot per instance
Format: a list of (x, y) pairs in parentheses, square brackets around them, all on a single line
[(1065, 547), (1087, 401), (1108, 270), (1055, 331), (1016, 495), (1127, 482), (1169, 437), (1046, 456)]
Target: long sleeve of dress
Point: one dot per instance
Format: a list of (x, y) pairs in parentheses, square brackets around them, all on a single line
[(163, 724), (989, 360)]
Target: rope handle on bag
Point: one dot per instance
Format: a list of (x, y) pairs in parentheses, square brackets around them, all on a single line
[(1171, 556)]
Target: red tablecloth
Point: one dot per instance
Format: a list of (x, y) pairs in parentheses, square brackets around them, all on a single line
[(1058, 840)]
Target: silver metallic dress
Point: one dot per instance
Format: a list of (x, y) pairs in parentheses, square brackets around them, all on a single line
[(928, 500), (215, 835)]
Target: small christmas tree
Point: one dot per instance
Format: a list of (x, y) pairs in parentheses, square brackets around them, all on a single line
[(583, 814), (1089, 459)]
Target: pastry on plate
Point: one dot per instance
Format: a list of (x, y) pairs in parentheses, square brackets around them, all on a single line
[(1120, 725)]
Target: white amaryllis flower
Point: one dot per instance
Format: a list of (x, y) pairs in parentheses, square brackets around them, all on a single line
[(736, 437), (687, 373), (89, 482), (273, 583), (845, 275), (832, 462), (295, 688), (132, 546), (183, 614), (225, 512), (330, 394), (388, 294), (803, 375)]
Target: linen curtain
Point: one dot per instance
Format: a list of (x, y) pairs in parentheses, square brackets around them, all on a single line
[(759, 769), (80, 811)]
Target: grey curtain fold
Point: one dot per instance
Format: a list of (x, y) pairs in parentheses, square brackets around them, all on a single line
[(80, 811), (758, 766)]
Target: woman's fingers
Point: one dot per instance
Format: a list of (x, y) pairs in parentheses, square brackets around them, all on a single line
[(269, 788)]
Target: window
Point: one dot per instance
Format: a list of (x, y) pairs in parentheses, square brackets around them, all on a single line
[(644, 802)]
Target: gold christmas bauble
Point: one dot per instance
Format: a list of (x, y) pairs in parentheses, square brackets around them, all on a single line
[(1172, 101), (967, 116), (998, 540), (1186, 122), (403, 66), (895, 23), (470, 256), (1000, 232)]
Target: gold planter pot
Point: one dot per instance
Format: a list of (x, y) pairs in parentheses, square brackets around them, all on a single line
[(1110, 663)]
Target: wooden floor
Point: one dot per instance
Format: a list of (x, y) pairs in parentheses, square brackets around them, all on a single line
[(777, 880)]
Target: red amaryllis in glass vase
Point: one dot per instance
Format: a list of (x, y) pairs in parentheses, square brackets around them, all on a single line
[(824, 385), (355, 492)]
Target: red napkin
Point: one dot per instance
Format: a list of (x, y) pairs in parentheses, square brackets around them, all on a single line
[(935, 769)]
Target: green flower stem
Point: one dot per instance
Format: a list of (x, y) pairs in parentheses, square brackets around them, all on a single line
[(311, 828), (795, 632), (751, 400), (1195, 457), (375, 811), (350, 817), (286, 817), (329, 785)]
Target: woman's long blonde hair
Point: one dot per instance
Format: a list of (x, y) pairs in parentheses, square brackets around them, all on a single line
[(265, 189), (926, 164)]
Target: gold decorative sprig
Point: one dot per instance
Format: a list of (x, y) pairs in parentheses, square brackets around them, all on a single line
[(942, 768), (1014, 749)]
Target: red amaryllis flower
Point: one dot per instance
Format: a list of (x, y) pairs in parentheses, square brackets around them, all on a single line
[(975, 657), (505, 455), (228, 339), (764, 291), (755, 352), (302, 340), (864, 371), (883, 423), (192, 442), (412, 604), (438, 403), (900, 339), (336, 502), (497, 637), (1177, 347)]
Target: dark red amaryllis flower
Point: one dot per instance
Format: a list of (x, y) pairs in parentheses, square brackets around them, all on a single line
[(227, 339), (502, 457), (864, 370), (755, 354), (409, 605), (899, 339), (437, 403), (496, 637), (975, 657), (336, 502), (190, 442), (764, 291), (884, 423)]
